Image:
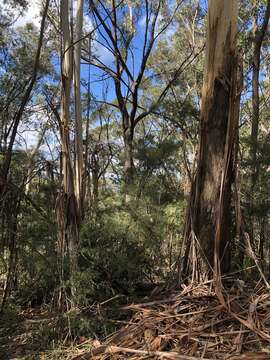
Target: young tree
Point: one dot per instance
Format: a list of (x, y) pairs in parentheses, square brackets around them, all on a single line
[(78, 111), (117, 23), (259, 33), (67, 206)]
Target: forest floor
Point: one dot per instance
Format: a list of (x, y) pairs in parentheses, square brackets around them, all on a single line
[(41, 334), (194, 323), (21, 334), (189, 324)]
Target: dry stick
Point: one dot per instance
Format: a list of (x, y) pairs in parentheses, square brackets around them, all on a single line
[(251, 326), (234, 103), (115, 349), (242, 321), (171, 355), (254, 257), (233, 113), (173, 299)]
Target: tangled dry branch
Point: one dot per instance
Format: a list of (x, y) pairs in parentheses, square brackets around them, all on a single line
[(192, 324)]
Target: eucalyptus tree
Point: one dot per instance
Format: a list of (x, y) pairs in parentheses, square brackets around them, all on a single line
[(181, 106), (119, 24), (78, 108), (259, 34), (261, 15), (208, 232), (70, 202)]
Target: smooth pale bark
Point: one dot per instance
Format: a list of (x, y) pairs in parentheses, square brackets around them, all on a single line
[(86, 183), (95, 183), (128, 155), (65, 98), (78, 112), (31, 160), (68, 220), (208, 232)]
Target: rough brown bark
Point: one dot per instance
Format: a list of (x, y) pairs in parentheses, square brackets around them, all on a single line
[(208, 232)]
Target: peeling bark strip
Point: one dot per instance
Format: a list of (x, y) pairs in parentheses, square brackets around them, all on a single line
[(209, 222), (67, 208)]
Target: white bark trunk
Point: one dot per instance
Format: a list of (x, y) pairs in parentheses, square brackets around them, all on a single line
[(221, 34), (68, 218), (31, 159), (65, 99), (78, 115)]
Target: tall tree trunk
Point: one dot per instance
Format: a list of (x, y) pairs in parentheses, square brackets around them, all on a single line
[(12, 233), (95, 182), (86, 176), (128, 155), (31, 160), (262, 240), (208, 232), (69, 232), (78, 111), (259, 35)]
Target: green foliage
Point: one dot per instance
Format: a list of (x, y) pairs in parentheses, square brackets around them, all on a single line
[(124, 248), (114, 254), (131, 234)]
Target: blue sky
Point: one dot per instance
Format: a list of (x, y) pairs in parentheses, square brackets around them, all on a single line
[(32, 14), (97, 85), (133, 61)]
